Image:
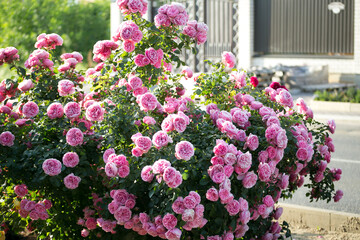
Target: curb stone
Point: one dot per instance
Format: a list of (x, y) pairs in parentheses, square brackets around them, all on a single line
[(320, 218)]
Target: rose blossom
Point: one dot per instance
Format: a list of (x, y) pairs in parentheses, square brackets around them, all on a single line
[(55, 110), (228, 59), (252, 142), (70, 159), (26, 85), (149, 120), (146, 174), (161, 139), (169, 174), (71, 181), (169, 221), (173, 234), (72, 109), (30, 109), (21, 190), (233, 207), (264, 172), (74, 137), (95, 112), (66, 87), (332, 126), (7, 139), (148, 102), (179, 123), (338, 195), (178, 206), (249, 180), (144, 143), (107, 153), (51, 167), (184, 150)]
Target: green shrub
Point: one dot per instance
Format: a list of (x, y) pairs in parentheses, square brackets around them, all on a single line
[(350, 95)]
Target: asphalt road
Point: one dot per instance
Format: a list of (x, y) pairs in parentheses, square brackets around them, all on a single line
[(347, 157)]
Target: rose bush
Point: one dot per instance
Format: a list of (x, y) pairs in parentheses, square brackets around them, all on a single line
[(136, 156)]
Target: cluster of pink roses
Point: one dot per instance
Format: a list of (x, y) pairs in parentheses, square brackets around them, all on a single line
[(177, 122), (281, 95), (239, 78), (102, 50), (129, 33), (196, 30), (8, 55), (52, 167), (121, 205), (39, 59), (171, 14), (70, 61), (48, 41), (152, 56), (142, 144), (174, 104), (35, 210), (5, 91), (134, 84), (224, 121), (164, 171), (7, 139), (192, 212), (133, 6), (115, 164)]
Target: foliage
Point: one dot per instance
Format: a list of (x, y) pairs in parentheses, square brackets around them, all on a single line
[(22, 20), (350, 95), (269, 145)]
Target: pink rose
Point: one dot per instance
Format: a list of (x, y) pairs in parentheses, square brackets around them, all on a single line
[(25, 85), (212, 194), (169, 174), (184, 150), (338, 195), (141, 60), (332, 126), (7, 139), (123, 214), (51, 167), (21, 190), (268, 201), (173, 234), (228, 59), (169, 221), (123, 171), (74, 137), (149, 120), (95, 112), (264, 172), (148, 102), (161, 139), (144, 143), (128, 46), (178, 206), (107, 153), (249, 180), (72, 110), (252, 142), (65, 87), (70, 159), (71, 181), (146, 174), (55, 110), (179, 123), (160, 165), (30, 109), (220, 149), (233, 207)]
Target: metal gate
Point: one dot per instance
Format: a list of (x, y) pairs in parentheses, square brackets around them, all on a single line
[(304, 27), (221, 17)]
